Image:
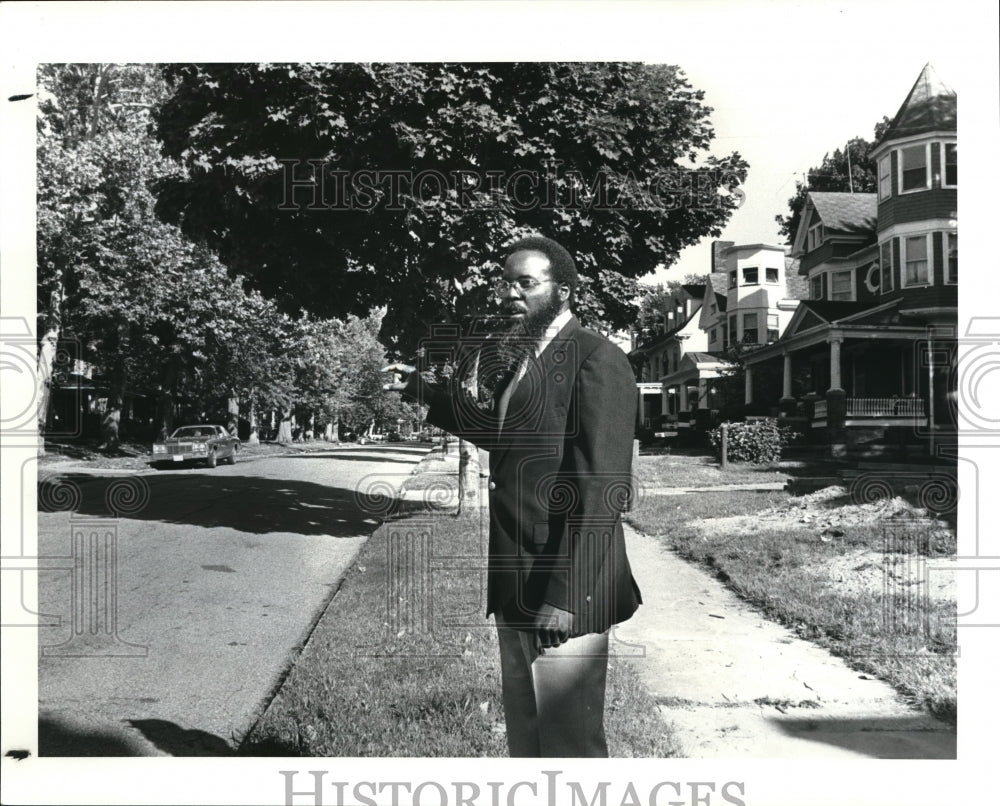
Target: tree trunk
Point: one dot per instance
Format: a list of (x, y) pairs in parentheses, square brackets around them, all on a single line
[(335, 428), (285, 428), (253, 438), (47, 349), (468, 474), (233, 414), (165, 402)]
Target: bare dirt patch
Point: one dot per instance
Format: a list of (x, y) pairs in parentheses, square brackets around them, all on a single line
[(827, 514)]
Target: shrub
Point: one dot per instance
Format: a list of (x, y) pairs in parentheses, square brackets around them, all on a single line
[(758, 443)]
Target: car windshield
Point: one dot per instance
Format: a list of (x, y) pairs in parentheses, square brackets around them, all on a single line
[(195, 431)]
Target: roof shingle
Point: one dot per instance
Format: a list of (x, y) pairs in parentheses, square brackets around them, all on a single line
[(850, 213), (931, 105)]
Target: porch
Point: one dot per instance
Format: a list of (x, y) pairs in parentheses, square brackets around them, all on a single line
[(893, 410), (847, 387)]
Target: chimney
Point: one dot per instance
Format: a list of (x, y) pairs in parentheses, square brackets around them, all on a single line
[(718, 247)]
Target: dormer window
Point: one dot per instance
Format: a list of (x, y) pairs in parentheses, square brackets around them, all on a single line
[(771, 275), (884, 178), (750, 276), (914, 168), (814, 237), (950, 163)]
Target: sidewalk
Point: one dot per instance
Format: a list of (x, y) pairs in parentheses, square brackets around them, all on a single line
[(732, 683), (736, 685)]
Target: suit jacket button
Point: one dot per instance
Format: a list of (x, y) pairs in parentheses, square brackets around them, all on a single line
[(492, 485), (588, 598)]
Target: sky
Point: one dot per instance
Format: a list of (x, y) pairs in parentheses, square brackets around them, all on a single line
[(783, 102)]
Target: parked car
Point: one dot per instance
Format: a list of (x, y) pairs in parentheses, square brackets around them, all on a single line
[(198, 443)]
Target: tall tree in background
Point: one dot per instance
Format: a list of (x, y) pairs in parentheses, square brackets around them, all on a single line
[(833, 175), (150, 308)]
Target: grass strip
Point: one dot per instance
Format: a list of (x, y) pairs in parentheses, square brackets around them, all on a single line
[(908, 640), (664, 471), (404, 663)]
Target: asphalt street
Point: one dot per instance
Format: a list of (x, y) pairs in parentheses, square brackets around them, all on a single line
[(176, 600)]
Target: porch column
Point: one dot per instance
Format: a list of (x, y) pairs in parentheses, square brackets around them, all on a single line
[(684, 397), (836, 402), (835, 342), (664, 401), (748, 385), (787, 404)]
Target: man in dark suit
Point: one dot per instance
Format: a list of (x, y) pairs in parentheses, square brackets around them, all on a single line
[(554, 404)]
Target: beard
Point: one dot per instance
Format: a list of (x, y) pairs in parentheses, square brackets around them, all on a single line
[(524, 335)]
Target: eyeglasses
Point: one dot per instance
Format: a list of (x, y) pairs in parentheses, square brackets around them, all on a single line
[(521, 284)]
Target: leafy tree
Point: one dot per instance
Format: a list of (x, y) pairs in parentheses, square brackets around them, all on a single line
[(832, 175), (654, 306), (596, 136), (152, 309), (282, 165)]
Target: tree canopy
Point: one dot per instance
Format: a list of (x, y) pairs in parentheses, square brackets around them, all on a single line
[(335, 188), (154, 312), (832, 175)]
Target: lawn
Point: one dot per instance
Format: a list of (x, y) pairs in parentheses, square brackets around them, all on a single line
[(846, 577), (404, 664), (663, 470)]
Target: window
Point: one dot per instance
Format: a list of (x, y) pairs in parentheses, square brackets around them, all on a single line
[(749, 328), (750, 276), (951, 257), (884, 178), (772, 275), (732, 330), (732, 279), (772, 328), (885, 258), (950, 162), (916, 270), (913, 168), (816, 287), (814, 237), (713, 308), (712, 335), (841, 286), (724, 332)]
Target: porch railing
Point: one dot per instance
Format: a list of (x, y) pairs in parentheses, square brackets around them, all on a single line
[(885, 407), (819, 409)]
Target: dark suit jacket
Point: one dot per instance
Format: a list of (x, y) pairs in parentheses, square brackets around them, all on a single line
[(560, 477)]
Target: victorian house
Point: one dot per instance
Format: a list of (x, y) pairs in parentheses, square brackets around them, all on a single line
[(660, 356), (868, 355), (746, 301)]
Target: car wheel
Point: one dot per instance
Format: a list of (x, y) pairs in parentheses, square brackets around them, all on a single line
[(212, 460), (232, 456)]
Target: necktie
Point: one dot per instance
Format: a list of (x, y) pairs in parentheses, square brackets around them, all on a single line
[(511, 380)]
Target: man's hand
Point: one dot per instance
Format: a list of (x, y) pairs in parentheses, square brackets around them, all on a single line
[(553, 627), (405, 379)]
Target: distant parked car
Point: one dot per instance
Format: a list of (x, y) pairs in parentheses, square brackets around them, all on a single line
[(198, 443)]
